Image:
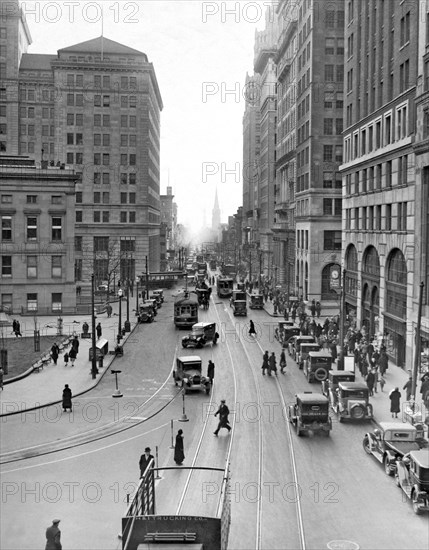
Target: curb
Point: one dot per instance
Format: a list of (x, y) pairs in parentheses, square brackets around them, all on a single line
[(95, 384)]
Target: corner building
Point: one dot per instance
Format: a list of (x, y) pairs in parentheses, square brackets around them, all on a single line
[(379, 201)]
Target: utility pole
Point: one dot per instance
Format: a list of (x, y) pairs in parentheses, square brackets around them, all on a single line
[(343, 310), (94, 369), (418, 343), (147, 281)]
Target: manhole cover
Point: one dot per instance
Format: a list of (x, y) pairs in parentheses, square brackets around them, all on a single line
[(342, 545)]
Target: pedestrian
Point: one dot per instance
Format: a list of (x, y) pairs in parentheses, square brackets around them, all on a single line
[(85, 328), (109, 310), (408, 387), (370, 378), (54, 353), (66, 359), (67, 398), (75, 344), (395, 402), (318, 309), (383, 362), (72, 356), (145, 461), (265, 363), (1, 378), (273, 364), (78, 290), (286, 314), (178, 449), (282, 362), (381, 381), (223, 413), (375, 373), (252, 328), (99, 331), (16, 328), (53, 536), (333, 348), (210, 371), (424, 390), (313, 308)]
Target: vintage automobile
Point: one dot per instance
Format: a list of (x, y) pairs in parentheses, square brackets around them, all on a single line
[(188, 374), (330, 385), (288, 335), (201, 334), (317, 365), (146, 313), (237, 295), (203, 296), (256, 301), (304, 350), (295, 343), (157, 299), (351, 401), (310, 413), (239, 307), (159, 292), (390, 442), (412, 475), (151, 303)]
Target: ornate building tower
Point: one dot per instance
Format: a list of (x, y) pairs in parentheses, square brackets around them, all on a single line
[(216, 214)]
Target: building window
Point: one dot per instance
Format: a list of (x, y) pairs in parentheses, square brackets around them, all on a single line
[(106, 159), (31, 229), (97, 178), (101, 244), (106, 216), (78, 241), (329, 100), (404, 76), (124, 140), (31, 267), (402, 216), (329, 46), (338, 207), (123, 178), (70, 158), (327, 153), (56, 199), (132, 198), (6, 228), (132, 217), (132, 179), (97, 139), (57, 299), (339, 126), (106, 121), (123, 217), (405, 29), (106, 140), (327, 207), (6, 266), (401, 122), (106, 178), (79, 216), (106, 101), (329, 73), (31, 199), (32, 302), (332, 240), (328, 125), (123, 198), (56, 262), (97, 120), (132, 159), (97, 196), (57, 229), (388, 129)]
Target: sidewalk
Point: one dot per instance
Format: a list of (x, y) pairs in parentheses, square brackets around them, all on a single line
[(395, 378), (43, 388)]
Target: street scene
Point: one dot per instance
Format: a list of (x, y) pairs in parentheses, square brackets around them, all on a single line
[(214, 285)]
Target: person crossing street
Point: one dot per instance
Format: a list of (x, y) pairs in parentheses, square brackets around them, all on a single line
[(223, 413)]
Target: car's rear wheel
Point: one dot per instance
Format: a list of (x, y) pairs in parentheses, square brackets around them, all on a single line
[(358, 412), (387, 468), (366, 445)]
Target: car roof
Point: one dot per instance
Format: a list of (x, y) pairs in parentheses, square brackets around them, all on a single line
[(340, 372), (189, 358), (203, 325), (309, 344), (421, 457), (399, 426), (320, 353), (312, 398), (353, 385)]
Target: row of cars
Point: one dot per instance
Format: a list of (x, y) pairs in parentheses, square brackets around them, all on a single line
[(401, 447), (148, 308)]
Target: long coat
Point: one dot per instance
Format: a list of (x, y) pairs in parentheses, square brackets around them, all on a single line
[(223, 413), (273, 365), (67, 398), (395, 401), (179, 455), (210, 371), (143, 463), (53, 538), (265, 363), (370, 379)]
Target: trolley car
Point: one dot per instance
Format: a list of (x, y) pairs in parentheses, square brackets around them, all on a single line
[(185, 310), (225, 287)]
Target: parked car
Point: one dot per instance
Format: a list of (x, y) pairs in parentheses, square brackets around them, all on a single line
[(304, 350), (412, 475), (159, 292), (288, 334), (156, 298), (202, 334), (188, 374), (256, 301), (152, 303), (390, 442), (296, 341), (310, 412), (146, 313), (330, 385), (239, 307), (352, 401), (317, 365)]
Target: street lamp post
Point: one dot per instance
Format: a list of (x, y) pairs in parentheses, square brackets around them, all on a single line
[(137, 295), (94, 370), (120, 316), (127, 325)]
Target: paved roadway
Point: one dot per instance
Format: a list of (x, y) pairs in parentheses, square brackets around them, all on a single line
[(342, 493)]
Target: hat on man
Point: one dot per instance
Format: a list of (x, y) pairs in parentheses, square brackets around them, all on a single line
[(55, 521), (222, 400), (147, 450)]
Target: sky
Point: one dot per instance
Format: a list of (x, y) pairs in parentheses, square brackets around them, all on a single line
[(201, 52)]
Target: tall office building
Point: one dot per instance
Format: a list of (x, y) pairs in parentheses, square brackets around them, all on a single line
[(285, 166), (379, 185), (95, 107), (216, 214)]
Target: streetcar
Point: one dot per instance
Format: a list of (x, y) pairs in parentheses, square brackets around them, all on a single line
[(160, 279), (225, 287), (202, 268), (185, 310)]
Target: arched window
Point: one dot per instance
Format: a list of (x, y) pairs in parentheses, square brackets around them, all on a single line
[(327, 293), (351, 259), (397, 268), (351, 271), (396, 284), (371, 262)]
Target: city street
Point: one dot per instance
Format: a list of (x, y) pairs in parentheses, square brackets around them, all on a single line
[(286, 492)]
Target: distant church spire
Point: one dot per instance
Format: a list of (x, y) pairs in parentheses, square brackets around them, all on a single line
[(216, 213)]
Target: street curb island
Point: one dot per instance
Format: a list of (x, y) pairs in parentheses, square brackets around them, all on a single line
[(94, 385)]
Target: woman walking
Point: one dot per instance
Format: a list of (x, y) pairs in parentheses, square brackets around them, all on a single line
[(395, 402), (67, 398), (252, 328), (282, 362), (265, 363), (179, 456)]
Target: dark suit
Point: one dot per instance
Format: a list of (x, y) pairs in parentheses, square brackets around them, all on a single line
[(223, 413), (53, 538), (143, 463)]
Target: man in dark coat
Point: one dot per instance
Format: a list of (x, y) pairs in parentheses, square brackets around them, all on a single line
[(223, 413), (98, 330), (273, 364), (145, 460), (313, 308), (334, 353), (179, 455), (72, 356), (265, 363), (395, 402), (370, 379), (318, 309), (53, 536), (67, 398), (75, 344), (210, 371), (408, 387), (54, 353), (383, 362)]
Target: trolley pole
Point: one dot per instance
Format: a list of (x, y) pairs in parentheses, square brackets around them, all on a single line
[(418, 343)]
